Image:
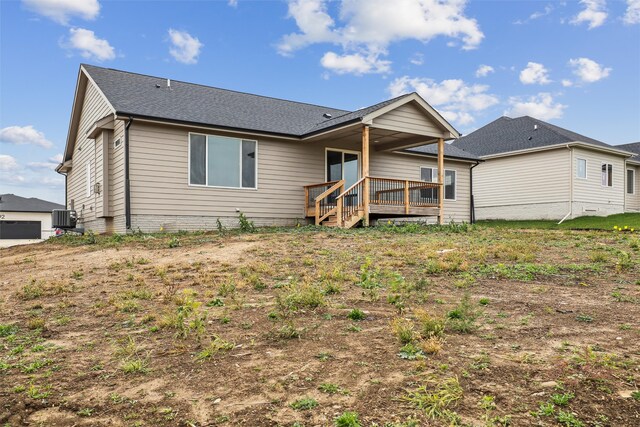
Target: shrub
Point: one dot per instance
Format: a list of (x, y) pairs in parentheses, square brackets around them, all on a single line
[(245, 225)]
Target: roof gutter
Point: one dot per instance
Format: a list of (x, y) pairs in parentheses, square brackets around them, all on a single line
[(563, 145), (127, 184)]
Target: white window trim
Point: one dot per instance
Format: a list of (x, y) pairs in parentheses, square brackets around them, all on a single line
[(586, 168), (88, 179), (633, 171), (357, 153), (434, 173), (607, 170), (206, 169)]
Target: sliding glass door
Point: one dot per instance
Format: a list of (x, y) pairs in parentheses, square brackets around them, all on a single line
[(343, 165)]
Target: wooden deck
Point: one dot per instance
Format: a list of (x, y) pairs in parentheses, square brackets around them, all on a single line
[(330, 204)]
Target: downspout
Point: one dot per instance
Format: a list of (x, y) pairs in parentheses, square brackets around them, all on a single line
[(570, 185), (472, 206), (127, 188)]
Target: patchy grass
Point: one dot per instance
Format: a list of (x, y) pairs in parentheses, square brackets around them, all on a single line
[(399, 326), (631, 220)]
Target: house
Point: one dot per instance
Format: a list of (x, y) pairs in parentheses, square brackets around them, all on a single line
[(632, 177), (24, 220), (535, 170), (148, 153)]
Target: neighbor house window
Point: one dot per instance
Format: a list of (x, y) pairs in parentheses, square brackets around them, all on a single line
[(88, 179), (607, 175), (581, 168), (431, 175), (220, 161), (631, 181)]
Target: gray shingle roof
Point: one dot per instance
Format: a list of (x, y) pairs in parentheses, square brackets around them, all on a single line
[(634, 147), (505, 135), (13, 203), (137, 94), (449, 151)]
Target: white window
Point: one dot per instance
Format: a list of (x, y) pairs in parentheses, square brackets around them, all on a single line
[(581, 168), (88, 179), (607, 175), (431, 175), (631, 181), (220, 161)]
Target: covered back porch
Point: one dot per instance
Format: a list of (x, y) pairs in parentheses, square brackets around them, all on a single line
[(351, 194)]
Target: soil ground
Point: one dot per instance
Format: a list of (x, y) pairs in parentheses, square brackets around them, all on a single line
[(295, 327)]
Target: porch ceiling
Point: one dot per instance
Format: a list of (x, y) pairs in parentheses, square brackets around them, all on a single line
[(379, 139)]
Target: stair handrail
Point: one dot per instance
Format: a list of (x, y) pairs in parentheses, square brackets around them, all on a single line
[(352, 187), (319, 217)]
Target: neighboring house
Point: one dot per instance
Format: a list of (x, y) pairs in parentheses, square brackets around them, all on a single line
[(149, 153), (535, 170), (24, 220), (632, 177)]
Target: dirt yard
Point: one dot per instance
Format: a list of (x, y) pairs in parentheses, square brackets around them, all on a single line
[(397, 326)]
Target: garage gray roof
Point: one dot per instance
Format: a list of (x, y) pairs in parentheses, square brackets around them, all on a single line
[(505, 135), (449, 151), (146, 96), (13, 203)]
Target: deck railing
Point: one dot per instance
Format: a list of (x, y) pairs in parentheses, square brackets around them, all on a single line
[(350, 201), (323, 199), (330, 198)]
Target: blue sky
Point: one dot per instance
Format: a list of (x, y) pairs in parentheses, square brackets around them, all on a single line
[(575, 64)]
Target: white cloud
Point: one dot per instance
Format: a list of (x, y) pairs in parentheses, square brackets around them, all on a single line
[(233, 3), (536, 15), (51, 163), (61, 11), (632, 15), (455, 99), (185, 48), (484, 70), (89, 45), (594, 13), (540, 106), (7, 163), (417, 59), (534, 73), (355, 63), (588, 71), (56, 159), (20, 135), (567, 83), (368, 27)]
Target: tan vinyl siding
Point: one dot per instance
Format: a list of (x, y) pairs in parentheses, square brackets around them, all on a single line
[(116, 172), (409, 118), (159, 176), (591, 190), (541, 177), (94, 107), (403, 166), (633, 200)]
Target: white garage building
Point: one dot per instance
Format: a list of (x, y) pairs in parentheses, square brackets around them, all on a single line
[(24, 220)]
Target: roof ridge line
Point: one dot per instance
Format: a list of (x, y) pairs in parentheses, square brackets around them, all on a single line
[(218, 88)]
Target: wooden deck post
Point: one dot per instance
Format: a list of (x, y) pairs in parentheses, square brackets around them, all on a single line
[(365, 173), (441, 181), (406, 197), (306, 201)]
